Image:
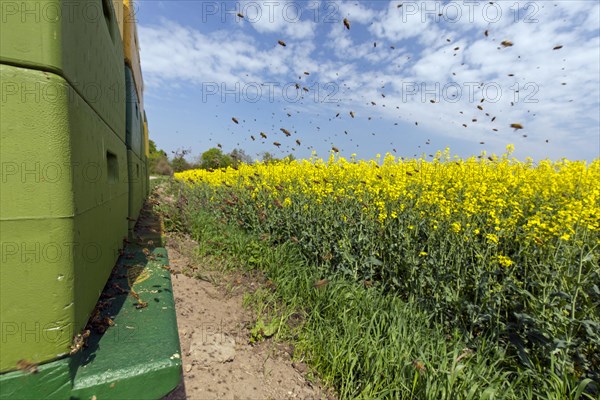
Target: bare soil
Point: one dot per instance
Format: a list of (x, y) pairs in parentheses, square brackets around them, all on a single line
[(214, 330)]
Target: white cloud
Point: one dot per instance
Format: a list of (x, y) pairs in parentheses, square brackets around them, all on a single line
[(281, 17), (174, 53), (407, 22), (355, 12)]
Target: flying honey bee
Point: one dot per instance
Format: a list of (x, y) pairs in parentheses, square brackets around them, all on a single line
[(305, 89), (511, 74), (481, 142), (493, 119), (286, 132), (26, 366), (557, 47), (320, 283), (506, 43), (432, 101), (240, 15), (465, 125), (373, 103), (516, 126), (419, 365), (374, 44), (263, 135), (235, 120), (219, 145), (347, 23), (335, 149), (480, 108), (486, 33), (281, 43), (297, 86), (298, 142), (277, 144), (337, 115), (456, 48), (352, 114), (306, 73), (495, 130)]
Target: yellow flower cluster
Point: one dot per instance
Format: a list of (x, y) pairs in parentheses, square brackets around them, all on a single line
[(500, 195)]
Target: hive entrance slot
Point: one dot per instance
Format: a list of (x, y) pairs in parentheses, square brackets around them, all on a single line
[(112, 166)]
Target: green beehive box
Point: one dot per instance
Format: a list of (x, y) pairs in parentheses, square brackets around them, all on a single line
[(135, 125), (135, 182), (64, 196), (78, 40)]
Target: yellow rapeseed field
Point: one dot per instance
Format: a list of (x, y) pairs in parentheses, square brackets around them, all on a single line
[(533, 202), (500, 248)]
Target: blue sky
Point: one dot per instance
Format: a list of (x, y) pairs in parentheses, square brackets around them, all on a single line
[(204, 65)]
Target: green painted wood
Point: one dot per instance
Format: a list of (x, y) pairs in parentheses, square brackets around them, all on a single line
[(139, 356), (64, 196), (79, 41), (52, 381)]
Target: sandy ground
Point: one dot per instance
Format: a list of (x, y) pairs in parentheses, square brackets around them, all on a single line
[(214, 329)]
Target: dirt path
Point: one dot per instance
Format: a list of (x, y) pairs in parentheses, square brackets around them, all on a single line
[(218, 361)]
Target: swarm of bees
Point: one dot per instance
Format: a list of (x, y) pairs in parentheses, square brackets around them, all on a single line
[(381, 47)]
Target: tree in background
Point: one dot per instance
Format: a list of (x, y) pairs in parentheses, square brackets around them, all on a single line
[(239, 156), (179, 163), (158, 163), (214, 158), (268, 158)]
